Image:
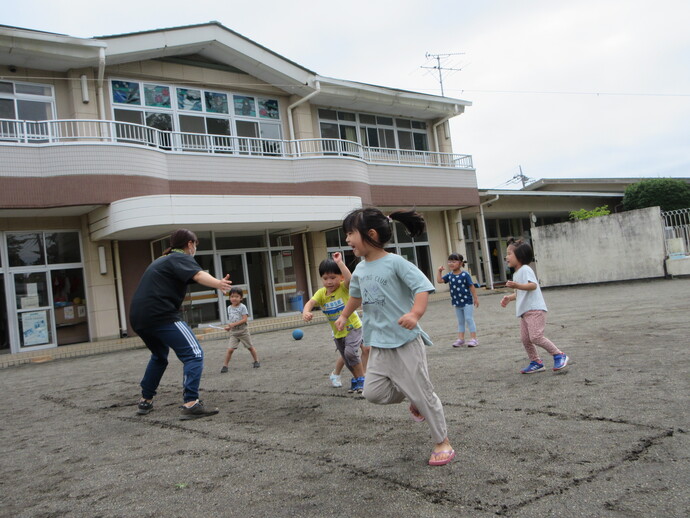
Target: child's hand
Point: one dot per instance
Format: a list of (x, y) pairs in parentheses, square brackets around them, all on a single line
[(441, 268), (408, 321), (307, 316), (340, 323), (476, 302), (228, 327), (511, 284), (505, 300), (338, 257)]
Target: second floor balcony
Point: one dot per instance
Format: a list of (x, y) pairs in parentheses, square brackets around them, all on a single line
[(59, 132)]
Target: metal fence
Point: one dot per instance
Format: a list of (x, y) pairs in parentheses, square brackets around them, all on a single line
[(101, 131), (677, 232)]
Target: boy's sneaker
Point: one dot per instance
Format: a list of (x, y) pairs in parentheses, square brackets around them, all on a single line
[(458, 343), (335, 380), (196, 411), (560, 361), (257, 365), (353, 386), (533, 367), (359, 386), (224, 370), (144, 407), (473, 343)]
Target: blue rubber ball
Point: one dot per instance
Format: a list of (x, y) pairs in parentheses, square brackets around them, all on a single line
[(297, 334)]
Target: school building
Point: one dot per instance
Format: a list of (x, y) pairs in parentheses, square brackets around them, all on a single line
[(108, 144)]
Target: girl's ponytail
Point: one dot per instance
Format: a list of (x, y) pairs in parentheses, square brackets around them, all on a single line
[(413, 221)]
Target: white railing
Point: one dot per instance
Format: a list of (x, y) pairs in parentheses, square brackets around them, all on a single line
[(100, 131), (677, 231)]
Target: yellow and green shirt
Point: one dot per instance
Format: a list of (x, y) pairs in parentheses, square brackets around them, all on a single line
[(333, 304)]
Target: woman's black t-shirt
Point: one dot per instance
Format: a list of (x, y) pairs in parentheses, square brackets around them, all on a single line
[(161, 291)]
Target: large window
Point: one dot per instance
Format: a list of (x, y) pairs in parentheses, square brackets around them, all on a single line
[(195, 112), (375, 131), (47, 276), (25, 101)]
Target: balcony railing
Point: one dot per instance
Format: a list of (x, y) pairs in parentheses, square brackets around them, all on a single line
[(100, 131)]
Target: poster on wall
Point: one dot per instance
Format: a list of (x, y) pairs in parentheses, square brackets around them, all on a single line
[(35, 328)]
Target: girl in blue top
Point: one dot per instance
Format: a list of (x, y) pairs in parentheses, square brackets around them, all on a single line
[(394, 294), (463, 296)]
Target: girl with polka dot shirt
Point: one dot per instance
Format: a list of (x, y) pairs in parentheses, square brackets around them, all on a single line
[(463, 296)]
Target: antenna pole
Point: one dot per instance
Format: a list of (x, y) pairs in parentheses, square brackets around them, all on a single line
[(440, 69)]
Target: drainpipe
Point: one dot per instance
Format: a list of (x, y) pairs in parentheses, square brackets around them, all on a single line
[(485, 243), (434, 128), (294, 105), (307, 266), (99, 83), (120, 291), (448, 240)]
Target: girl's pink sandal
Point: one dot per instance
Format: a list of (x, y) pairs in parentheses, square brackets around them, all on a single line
[(434, 454)]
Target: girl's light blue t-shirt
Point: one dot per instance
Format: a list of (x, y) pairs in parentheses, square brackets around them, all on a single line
[(387, 288)]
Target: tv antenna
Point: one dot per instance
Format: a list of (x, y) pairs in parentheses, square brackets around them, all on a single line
[(438, 58)]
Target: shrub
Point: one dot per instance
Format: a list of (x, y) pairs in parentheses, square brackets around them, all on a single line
[(581, 214), (667, 193)]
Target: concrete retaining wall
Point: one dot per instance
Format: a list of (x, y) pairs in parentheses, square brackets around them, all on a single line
[(624, 246)]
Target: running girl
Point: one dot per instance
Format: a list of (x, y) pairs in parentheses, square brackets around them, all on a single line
[(394, 294), (530, 309)]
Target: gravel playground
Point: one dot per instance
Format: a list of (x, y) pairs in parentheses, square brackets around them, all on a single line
[(608, 437)]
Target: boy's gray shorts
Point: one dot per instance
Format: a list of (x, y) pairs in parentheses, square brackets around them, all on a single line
[(348, 346)]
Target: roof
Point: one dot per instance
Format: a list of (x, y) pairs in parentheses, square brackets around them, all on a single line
[(215, 42), (608, 185)]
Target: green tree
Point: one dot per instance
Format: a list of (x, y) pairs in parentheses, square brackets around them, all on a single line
[(667, 193), (581, 214)]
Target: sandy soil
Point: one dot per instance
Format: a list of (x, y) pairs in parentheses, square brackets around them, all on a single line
[(607, 438)]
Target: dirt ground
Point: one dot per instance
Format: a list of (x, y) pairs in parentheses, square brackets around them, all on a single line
[(606, 438)]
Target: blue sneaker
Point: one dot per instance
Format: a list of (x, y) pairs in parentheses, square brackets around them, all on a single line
[(359, 387), (353, 386), (533, 367), (560, 361)]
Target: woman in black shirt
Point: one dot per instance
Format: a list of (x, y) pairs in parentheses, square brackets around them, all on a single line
[(155, 316)]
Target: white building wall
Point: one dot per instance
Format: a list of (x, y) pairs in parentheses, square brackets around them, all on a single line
[(629, 245)]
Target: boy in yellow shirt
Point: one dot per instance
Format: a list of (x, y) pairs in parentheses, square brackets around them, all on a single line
[(332, 299)]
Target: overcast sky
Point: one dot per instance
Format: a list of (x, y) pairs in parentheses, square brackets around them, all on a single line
[(565, 89)]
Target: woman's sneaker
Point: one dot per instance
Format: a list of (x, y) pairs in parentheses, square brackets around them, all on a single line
[(533, 367), (196, 411), (144, 407), (335, 380), (560, 361)]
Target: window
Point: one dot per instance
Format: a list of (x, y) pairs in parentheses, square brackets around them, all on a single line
[(25, 101), (40, 248), (338, 125), (374, 130), (195, 113)]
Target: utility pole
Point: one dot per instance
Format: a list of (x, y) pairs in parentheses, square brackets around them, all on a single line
[(438, 66)]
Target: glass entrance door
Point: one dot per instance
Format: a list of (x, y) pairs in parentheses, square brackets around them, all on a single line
[(33, 309), (285, 282), (236, 266)]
